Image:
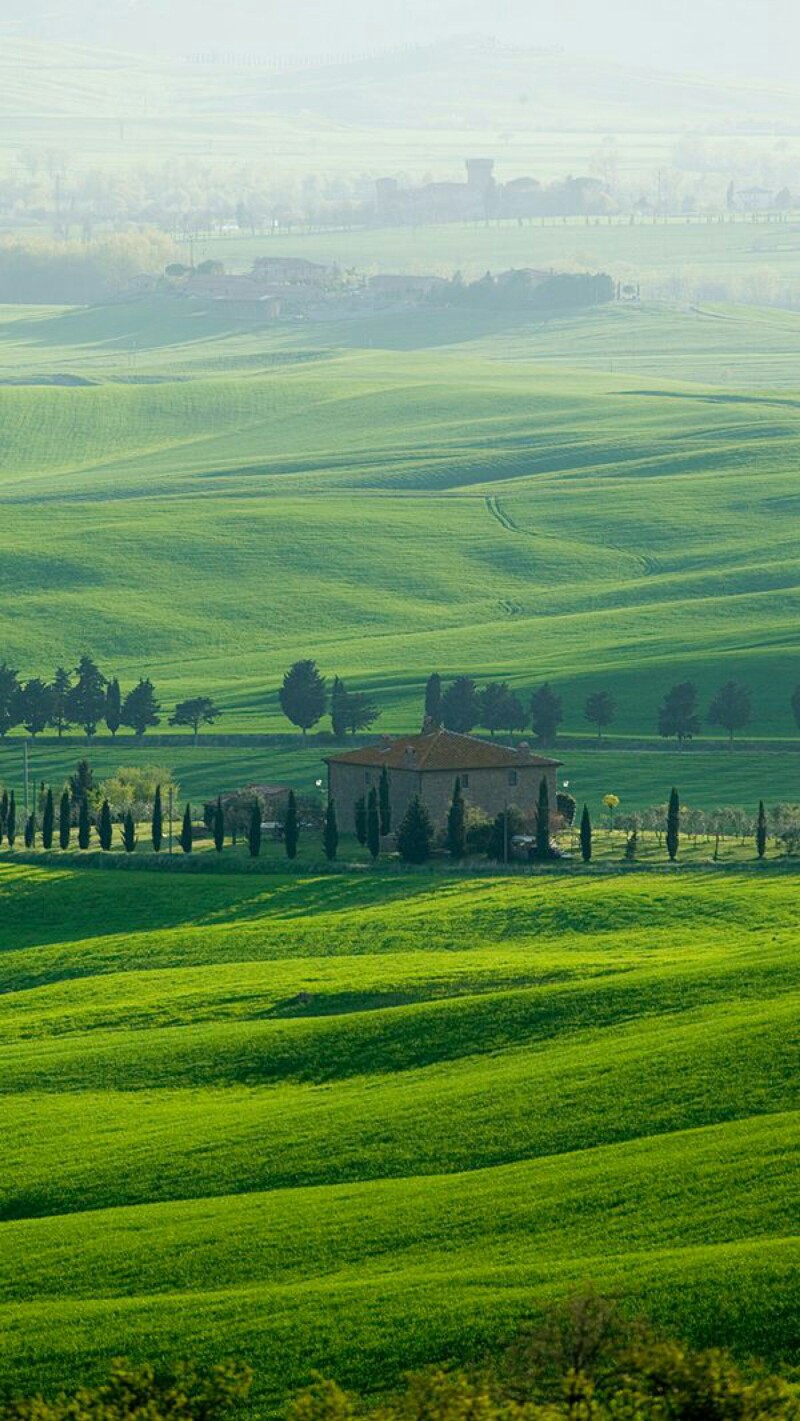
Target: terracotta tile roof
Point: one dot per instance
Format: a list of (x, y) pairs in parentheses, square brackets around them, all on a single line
[(440, 750)]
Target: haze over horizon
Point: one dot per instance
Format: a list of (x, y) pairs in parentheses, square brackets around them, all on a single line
[(724, 38)]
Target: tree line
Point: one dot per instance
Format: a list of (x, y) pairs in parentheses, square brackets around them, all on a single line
[(87, 698)]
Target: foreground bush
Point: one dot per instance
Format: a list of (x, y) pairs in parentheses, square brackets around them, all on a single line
[(180, 1394), (588, 1362)]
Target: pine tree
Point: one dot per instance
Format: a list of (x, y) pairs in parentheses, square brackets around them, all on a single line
[(157, 823), (433, 699), (361, 820), (330, 836), (218, 826), (415, 833), (36, 705), (291, 831), (83, 824), (64, 820), (385, 803), (185, 839), (761, 830), (86, 702), (140, 707), (461, 707), (60, 690), (254, 830), (586, 835), (373, 824), (673, 825), (105, 828), (48, 820), (11, 821), (30, 831), (128, 833), (543, 850), (303, 695), (456, 824), (113, 706), (339, 709)]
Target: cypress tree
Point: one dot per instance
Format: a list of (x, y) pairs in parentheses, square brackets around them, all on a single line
[(586, 835), (83, 824), (128, 833), (761, 830), (291, 832), (185, 838), (339, 709), (543, 821), (254, 830), (415, 833), (385, 803), (456, 824), (433, 698), (218, 827), (105, 828), (673, 825), (30, 831), (330, 837), (113, 716), (64, 820), (157, 825), (3, 813), (11, 821), (373, 824), (361, 820), (48, 821)]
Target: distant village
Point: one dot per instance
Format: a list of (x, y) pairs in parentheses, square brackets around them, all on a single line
[(294, 288)]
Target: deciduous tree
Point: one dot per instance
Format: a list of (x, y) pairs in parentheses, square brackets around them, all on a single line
[(677, 716), (199, 710), (732, 708), (600, 710)]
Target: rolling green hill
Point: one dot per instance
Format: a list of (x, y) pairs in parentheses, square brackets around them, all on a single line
[(365, 1124), (237, 499)]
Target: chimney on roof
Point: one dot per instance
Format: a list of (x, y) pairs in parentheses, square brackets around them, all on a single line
[(430, 726), (524, 750), (410, 754)]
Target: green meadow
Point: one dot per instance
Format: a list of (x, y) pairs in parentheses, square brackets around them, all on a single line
[(361, 1124)]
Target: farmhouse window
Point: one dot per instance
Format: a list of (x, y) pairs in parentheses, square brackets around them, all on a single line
[(465, 781), (512, 777)]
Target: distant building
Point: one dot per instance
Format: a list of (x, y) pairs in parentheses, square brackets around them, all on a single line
[(292, 271), (492, 776), (754, 199)]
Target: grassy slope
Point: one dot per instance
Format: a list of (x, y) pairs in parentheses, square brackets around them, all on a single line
[(494, 1091), (499, 527)]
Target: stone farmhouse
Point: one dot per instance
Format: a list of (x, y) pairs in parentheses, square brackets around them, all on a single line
[(492, 776)]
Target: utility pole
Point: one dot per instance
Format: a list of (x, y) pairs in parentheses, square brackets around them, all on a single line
[(25, 758)]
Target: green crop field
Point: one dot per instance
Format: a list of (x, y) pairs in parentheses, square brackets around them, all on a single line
[(364, 1123)]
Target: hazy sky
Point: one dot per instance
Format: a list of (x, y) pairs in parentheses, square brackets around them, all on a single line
[(749, 38)]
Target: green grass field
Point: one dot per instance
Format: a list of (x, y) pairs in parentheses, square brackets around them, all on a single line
[(365, 1123)]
